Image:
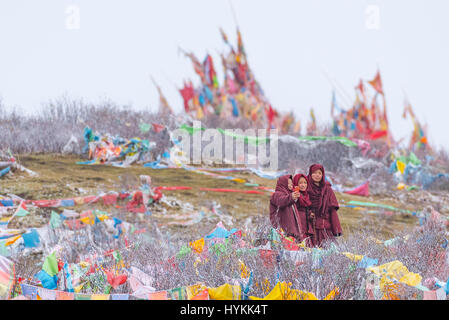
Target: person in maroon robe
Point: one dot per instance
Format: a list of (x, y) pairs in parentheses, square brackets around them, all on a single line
[(324, 206), (307, 218), (283, 211)]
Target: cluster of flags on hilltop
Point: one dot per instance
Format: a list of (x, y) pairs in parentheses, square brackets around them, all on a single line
[(418, 139), (238, 96), (366, 119)]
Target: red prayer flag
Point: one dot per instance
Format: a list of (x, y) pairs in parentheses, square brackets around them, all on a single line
[(74, 224), (270, 115), (268, 257), (109, 199), (362, 190), (378, 134), (187, 94), (289, 245), (115, 281), (377, 83), (157, 127), (361, 88)]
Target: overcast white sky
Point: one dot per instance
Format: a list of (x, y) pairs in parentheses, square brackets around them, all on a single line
[(289, 43)]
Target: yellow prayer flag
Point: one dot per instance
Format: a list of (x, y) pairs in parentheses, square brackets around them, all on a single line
[(401, 186), (12, 240), (396, 270), (245, 273), (78, 288), (401, 166), (99, 297), (199, 113), (197, 245), (88, 220), (102, 217), (194, 290), (282, 292), (353, 257), (225, 292), (331, 295)]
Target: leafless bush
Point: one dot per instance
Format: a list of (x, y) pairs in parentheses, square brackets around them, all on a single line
[(159, 255), (58, 120)]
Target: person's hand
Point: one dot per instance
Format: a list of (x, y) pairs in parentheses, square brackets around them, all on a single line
[(295, 195), (312, 215)]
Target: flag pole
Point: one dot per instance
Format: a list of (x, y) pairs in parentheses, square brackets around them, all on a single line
[(233, 13), (333, 84)]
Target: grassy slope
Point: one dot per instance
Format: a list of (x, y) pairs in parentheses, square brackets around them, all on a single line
[(60, 177)]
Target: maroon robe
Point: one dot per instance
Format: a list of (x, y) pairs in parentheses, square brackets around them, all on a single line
[(303, 205), (283, 211), (325, 206)]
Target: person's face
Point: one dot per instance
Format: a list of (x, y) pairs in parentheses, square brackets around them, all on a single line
[(302, 184), (317, 175), (290, 184)]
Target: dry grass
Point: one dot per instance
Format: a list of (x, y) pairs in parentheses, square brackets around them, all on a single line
[(60, 177)]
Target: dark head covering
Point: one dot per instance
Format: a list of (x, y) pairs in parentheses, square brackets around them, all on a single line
[(281, 189), (312, 169), (322, 197), (282, 183)]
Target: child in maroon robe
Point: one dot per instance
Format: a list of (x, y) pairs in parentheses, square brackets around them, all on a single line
[(283, 211), (303, 204), (324, 205)]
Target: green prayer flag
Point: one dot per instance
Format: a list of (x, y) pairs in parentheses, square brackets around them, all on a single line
[(107, 289), (185, 250), (144, 127), (219, 248), (82, 296), (403, 159), (343, 140), (55, 220), (22, 212), (116, 255), (384, 206), (190, 130), (414, 159), (4, 250), (274, 236), (247, 139), (178, 293), (251, 184), (390, 242)]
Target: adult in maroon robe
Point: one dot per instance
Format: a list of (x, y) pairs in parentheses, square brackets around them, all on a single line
[(283, 211), (324, 206), (303, 206)]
